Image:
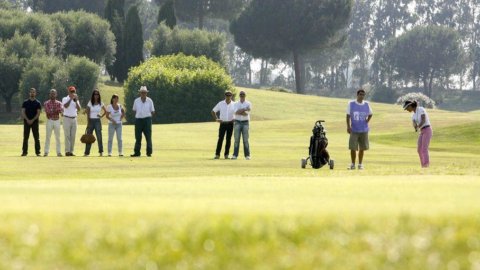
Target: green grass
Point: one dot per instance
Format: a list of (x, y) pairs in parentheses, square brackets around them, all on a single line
[(181, 209)]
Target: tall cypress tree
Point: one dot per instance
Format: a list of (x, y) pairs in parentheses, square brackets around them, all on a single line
[(115, 15), (167, 14), (133, 40)]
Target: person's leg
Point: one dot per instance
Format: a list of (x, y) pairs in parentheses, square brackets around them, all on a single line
[(26, 135), (90, 128), (36, 136), (229, 138), (98, 133), (138, 136), (427, 136), (360, 156), (56, 130), (364, 145), (353, 146), (111, 130), (148, 135), (118, 130), (49, 127), (245, 136), (237, 127), (73, 133), (419, 148), (66, 133), (221, 133)]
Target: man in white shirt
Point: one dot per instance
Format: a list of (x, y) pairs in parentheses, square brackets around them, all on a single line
[(71, 106), (144, 110), (223, 113), (241, 125)]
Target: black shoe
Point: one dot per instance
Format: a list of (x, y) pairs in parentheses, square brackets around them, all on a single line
[(24, 154), (149, 155), (38, 155), (135, 155), (68, 154)]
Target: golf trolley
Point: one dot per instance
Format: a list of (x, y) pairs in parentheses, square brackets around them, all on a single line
[(317, 152)]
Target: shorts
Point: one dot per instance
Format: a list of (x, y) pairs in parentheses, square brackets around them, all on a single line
[(358, 141)]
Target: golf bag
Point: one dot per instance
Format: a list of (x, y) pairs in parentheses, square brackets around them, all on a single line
[(318, 155)]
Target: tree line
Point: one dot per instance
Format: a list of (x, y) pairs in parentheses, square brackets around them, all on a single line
[(308, 45)]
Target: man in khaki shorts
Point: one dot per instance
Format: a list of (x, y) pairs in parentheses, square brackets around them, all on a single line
[(359, 114)]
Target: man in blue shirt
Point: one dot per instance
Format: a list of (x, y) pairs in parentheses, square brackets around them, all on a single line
[(31, 109), (359, 114)]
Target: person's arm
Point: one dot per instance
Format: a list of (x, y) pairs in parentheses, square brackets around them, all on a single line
[(104, 111), (77, 103), (123, 113), (422, 120), (107, 115), (24, 116), (349, 128), (67, 104), (152, 111), (39, 110), (369, 117)]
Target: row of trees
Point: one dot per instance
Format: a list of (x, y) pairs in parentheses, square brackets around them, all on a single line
[(38, 50)]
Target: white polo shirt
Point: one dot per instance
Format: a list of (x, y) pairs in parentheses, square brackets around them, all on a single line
[(71, 111), (240, 106), (226, 110), (143, 109), (417, 117)]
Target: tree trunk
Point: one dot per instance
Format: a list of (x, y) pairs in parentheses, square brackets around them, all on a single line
[(8, 104), (425, 84), (430, 83), (201, 14), (297, 62)]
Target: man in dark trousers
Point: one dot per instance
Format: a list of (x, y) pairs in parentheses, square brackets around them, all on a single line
[(225, 108), (31, 109), (144, 110)]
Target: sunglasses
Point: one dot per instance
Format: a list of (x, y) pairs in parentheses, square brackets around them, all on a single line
[(228, 95)]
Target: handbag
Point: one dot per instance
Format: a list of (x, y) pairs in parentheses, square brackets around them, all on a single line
[(87, 138)]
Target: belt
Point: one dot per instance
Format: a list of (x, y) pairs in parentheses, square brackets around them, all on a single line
[(71, 117), (425, 127), (242, 121), (227, 122)]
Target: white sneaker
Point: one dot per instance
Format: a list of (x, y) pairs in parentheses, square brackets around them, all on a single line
[(234, 157), (352, 167), (360, 166), (247, 157)]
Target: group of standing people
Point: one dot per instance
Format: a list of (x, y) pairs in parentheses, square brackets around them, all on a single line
[(233, 118), (359, 114), (69, 108)]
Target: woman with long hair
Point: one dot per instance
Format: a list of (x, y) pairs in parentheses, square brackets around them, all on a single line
[(421, 122), (94, 114), (115, 114)]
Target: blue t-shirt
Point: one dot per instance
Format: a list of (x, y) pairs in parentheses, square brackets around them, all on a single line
[(358, 115)]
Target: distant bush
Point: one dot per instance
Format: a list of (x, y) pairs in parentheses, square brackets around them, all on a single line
[(384, 94), (189, 42), (45, 73), (183, 88), (422, 100)]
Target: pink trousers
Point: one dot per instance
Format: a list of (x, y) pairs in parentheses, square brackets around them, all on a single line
[(422, 146)]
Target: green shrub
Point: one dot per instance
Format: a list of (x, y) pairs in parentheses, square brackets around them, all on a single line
[(39, 73), (83, 74), (183, 88), (45, 73), (189, 42)]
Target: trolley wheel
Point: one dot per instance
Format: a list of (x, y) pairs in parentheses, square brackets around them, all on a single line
[(331, 163), (304, 163)]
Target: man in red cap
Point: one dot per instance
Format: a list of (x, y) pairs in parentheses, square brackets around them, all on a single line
[(71, 106)]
